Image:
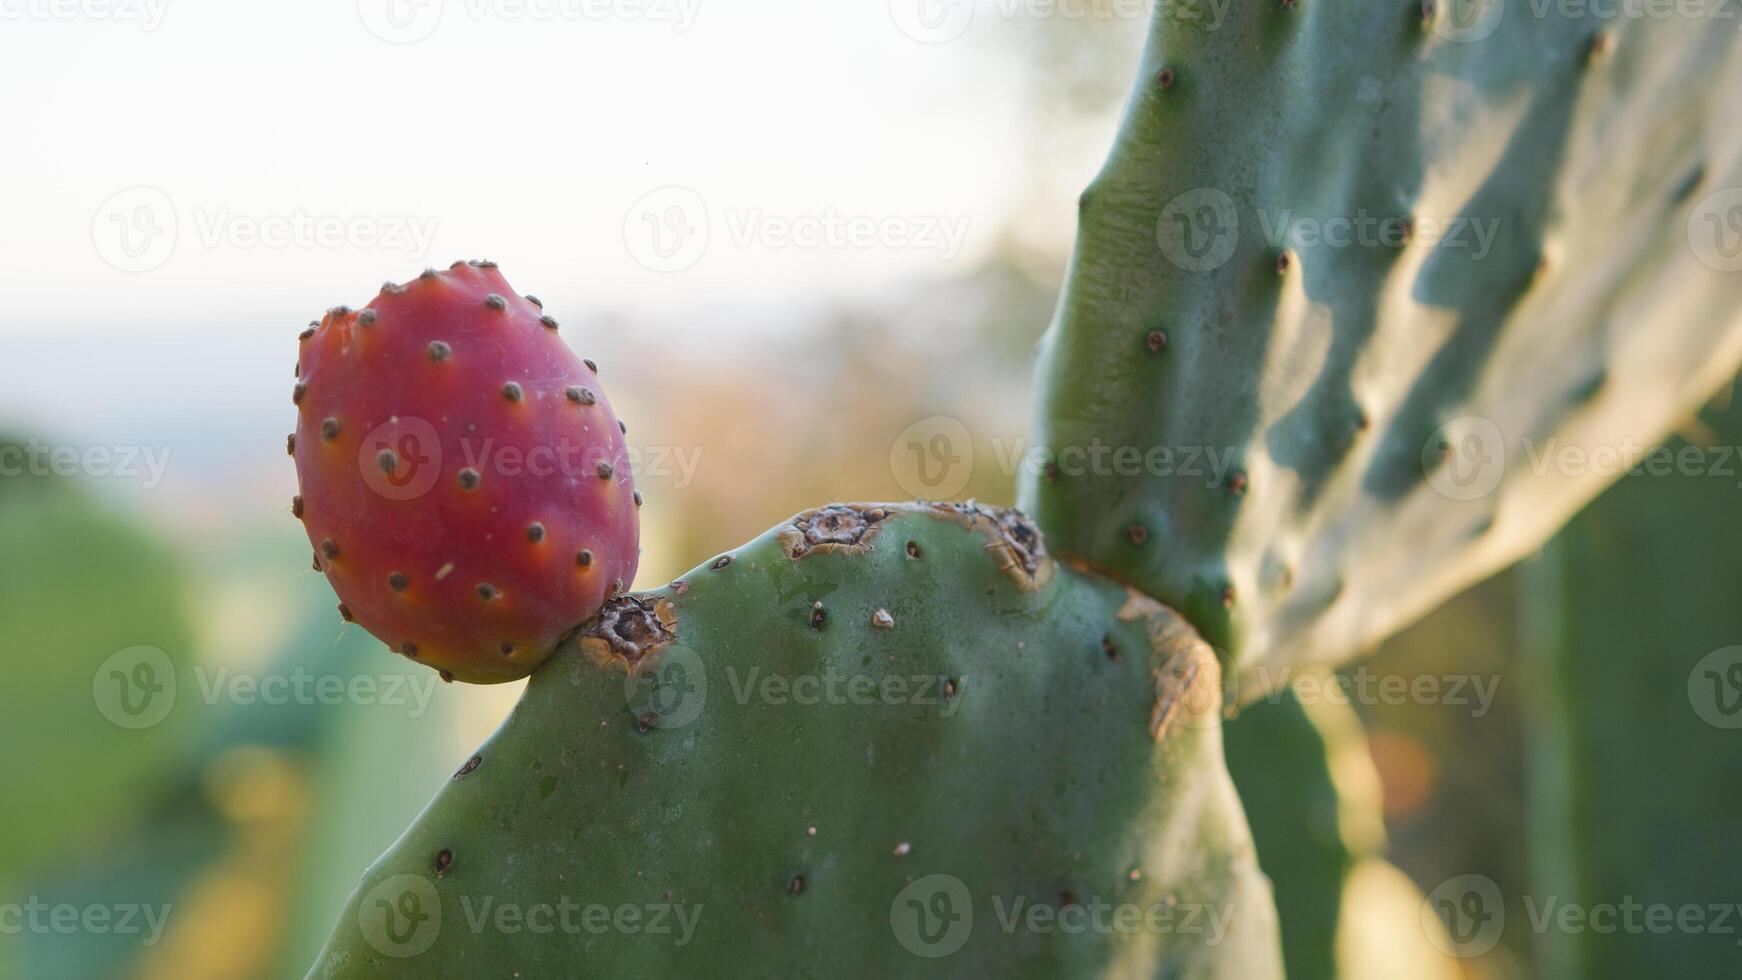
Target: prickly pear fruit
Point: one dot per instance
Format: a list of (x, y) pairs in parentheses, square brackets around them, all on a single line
[(463, 480)]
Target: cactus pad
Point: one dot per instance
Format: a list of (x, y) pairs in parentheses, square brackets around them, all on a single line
[(853, 746), (1349, 270)]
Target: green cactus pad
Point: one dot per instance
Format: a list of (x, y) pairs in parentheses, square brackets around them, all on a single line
[(93, 624), (1632, 627), (1348, 268), (1314, 813), (1313, 797), (849, 748)]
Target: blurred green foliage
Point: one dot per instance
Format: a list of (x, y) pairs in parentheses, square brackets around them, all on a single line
[(1636, 750), (92, 624)]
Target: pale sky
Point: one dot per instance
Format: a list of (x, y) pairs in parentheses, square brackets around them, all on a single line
[(182, 135), (185, 183)]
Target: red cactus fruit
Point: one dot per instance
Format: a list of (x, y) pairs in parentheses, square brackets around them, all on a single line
[(463, 480)]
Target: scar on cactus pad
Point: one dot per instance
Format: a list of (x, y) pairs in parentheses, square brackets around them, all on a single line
[(462, 478), (851, 529)]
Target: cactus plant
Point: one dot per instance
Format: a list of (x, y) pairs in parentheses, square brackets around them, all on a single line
[(833, 738), (270, 807), (1075, 757), (1246, 406), (100, 714), (1612, 747), (1312, 795)]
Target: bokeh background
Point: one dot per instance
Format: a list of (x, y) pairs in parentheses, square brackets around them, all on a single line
[(804, 242)]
